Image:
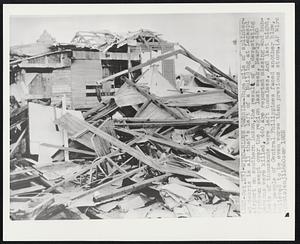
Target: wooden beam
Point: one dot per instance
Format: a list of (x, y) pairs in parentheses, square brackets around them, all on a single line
[(212, 82), (175, 123), (193, 57), (214, 68), (65, 133), (142, 108)]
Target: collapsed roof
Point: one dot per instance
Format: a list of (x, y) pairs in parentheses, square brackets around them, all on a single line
[(104, 40)]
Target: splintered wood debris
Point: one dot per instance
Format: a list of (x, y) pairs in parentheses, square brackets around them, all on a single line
[(176, 156)]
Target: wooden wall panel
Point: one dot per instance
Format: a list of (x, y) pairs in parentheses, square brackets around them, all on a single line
[(84, 72), (61, 84)]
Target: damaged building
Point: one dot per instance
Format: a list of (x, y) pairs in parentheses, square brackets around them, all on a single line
[(47, 69), (98, 131)]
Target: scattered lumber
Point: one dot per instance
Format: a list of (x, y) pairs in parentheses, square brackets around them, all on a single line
[(139, 153)]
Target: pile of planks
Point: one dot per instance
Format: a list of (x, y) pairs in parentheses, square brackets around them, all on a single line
[(149, 157)]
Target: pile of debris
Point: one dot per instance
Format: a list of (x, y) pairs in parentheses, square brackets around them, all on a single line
[(152, 151)]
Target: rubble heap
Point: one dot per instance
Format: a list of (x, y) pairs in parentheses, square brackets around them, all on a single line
[(141, 154)]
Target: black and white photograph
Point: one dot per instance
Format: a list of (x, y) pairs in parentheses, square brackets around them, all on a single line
[(123, 117), (149, 115)]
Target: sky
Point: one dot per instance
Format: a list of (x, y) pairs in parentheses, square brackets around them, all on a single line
[(207, 36)]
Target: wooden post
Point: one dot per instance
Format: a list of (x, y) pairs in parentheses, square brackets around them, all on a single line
[(65, 134), (129, 61)]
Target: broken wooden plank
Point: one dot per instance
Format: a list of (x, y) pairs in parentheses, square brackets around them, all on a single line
[(26, 190), (93, 110), (117, 178), (212, 82), (142, 108), (114, 141), (65, 133), (140, 122), (193, 57), (221, 73), (198, 99), (23, 180), (131, 188), (212, 161), (16, 144)]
